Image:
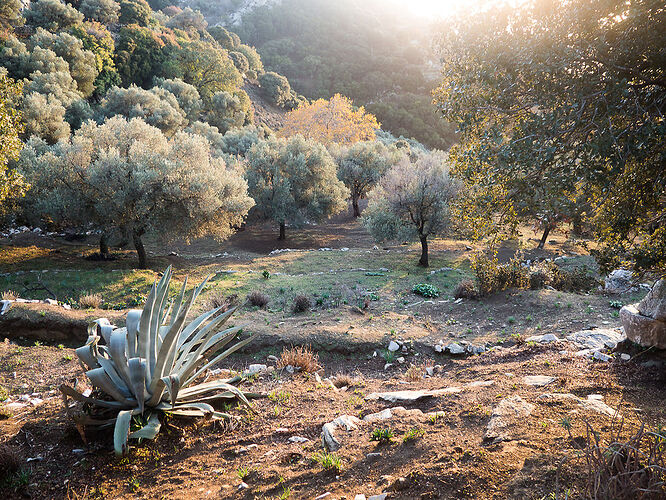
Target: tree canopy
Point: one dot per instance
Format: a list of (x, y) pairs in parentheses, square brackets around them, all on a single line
[(331, 121), (561, 103), (293, 181), (12, 184)]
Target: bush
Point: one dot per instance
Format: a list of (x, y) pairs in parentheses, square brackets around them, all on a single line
[(493, 277), (220, 300), (299, 357), (10, 462), (258, 299), (538, 278), (275, 88), (426, 290), (9, 295), (575, 280), (90, 301), (466, 289), (302, 304), (627, 467)]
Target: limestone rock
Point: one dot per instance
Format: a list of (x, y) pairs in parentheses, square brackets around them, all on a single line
[(411, 396), (601, 338), (594, 402), (510, 411), (393, 346), (454, 348), (643, 330), (328, 431), (653, 304), (619, 281), (538, 380)]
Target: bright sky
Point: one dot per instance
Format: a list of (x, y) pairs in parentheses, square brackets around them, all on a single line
[(442, 8)]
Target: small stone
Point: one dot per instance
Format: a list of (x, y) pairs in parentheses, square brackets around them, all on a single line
[(272, 359), (600, 356), (625, 357), (438, 348), (281, 430), (401, 360), (243, 486), (393, 346), (430, 370), (256, 368), (387, 366), (373, 455), (454, 348), (538, 380), (360, 497), (323, 495), (378, 497), (298, 439)]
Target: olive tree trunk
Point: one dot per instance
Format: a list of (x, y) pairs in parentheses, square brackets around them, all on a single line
[(546, 232), (423, 262), (140, 250), (283, 232)]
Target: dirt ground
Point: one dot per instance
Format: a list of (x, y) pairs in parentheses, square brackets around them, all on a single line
[(449, 455)]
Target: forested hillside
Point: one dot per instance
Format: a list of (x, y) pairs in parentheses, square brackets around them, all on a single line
[(374, 53)]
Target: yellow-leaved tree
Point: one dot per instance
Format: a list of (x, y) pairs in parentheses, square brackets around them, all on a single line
[(331, 121)]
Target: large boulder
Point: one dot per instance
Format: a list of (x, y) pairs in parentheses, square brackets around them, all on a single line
[(654, 304), (645, 322), (619, 281)]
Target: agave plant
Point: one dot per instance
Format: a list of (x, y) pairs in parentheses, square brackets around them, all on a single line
[(150, 366)]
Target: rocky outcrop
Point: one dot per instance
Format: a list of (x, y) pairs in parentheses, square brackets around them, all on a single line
[(645, 322)]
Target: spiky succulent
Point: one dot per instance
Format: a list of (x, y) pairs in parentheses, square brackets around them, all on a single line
[(150, 365)]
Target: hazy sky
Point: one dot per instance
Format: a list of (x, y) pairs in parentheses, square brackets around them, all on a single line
[(441, 8)]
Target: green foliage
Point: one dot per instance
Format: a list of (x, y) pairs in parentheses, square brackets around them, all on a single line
[(102, 11), (52, 15), (370, 51), (382, 436), (157, 107), (293, 180), (426, 290), (560, 107), (12, 184), (413, 434), (10, 11), (493, 277), (412, 201), (97, 39), (328, 461), (228, 110), (134, 12), (361, 165), (149, 367), (170, 187), (226, 39), (141, 54), (275, 88)]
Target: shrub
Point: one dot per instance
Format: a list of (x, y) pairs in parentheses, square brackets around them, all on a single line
[(90, 301), (155, 361), (493, 277), (466, 289), (626, 468), (414, 373), (426, 290), (299, 357), (258, 299), (344, 380), (538, 278), (224, 301), (302, 304), (9, 295), (575, 280)]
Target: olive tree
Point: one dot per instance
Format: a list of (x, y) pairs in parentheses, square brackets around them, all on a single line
[(293, 181), (126, 175), (103, 11), (157, 107), (412, 201), (52, 15), (360, 167)]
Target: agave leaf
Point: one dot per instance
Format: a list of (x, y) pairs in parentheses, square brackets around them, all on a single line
[(121, 432), (155, 321), (216, 359), (77, 396), (87, 353), (137, 372), (132, 325), (167, 350), (109, 368), (175, 309), (189, 338), (204, 346), (118, 352), (150, 430), (144, 325), (100, 379)]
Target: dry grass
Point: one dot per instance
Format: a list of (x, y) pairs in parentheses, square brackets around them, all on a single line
[(9, 295), (302, 304), (299, 357), (90, 301), (626, 468), (223, 301), (344, 380), (258, 299), (10, 462), (415, 373)]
